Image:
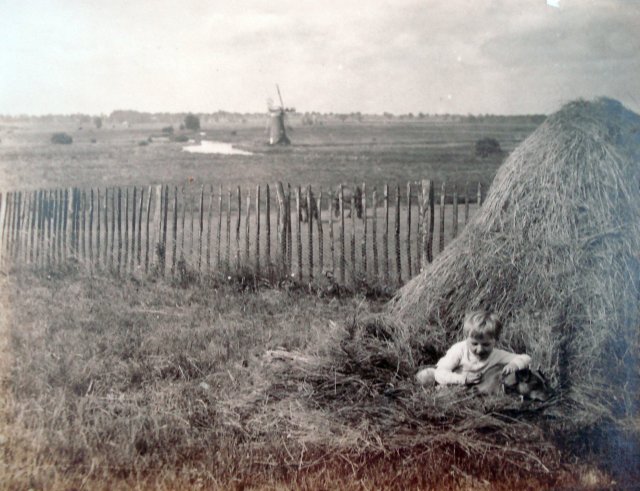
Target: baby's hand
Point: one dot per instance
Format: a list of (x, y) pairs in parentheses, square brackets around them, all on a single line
[(472, 378), (509, 368)]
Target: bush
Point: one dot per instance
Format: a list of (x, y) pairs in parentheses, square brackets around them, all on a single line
[(191, 122), (487, 146), (98, 122), (181, 138), (61, 139), (168, 130)]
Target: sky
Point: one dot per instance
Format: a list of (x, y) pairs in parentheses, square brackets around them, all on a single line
[(373, 56)]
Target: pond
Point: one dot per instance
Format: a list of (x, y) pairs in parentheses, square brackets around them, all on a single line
[(207, 146)]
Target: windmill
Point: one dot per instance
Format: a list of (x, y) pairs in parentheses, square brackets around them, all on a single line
[(277, 132)]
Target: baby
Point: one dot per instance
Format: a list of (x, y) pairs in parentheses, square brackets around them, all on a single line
[(466, 361)]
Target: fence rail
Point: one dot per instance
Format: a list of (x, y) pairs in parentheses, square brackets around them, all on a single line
[(349, 233)]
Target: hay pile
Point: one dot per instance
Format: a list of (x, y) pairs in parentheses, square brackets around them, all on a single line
[(555, 251)]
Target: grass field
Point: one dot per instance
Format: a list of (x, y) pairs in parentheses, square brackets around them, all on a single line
[(140, 383), (321, 156)]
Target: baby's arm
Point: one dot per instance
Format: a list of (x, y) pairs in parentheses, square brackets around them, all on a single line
[(444, 373), (515, 362)]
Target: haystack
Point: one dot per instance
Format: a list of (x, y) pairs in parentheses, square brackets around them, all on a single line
[(555, 251)]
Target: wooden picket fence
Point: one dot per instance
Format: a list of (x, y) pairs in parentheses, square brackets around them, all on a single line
[(349, 233)]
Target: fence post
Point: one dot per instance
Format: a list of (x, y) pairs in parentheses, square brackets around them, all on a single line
[(91, 228), (219, 232), (374, 232), (200, 229), (247, 229), (141, 209), (320, 236), (479, 194), (209, 213), (289, 231), (298, 234), (454, 228), (282, 228), (184, 211), (192, 208), (174, 248), (427, 222), (409, 265), (310, 204), (385, 234), (331, 237), (466, 203), (147, 231), (442, 204), (228, 239), (353, 238), (238, 229), (397, 236), (134, 209), (49, 217), (257, 249), (125, 263), (342, 251), (268, 225), (364, 229)]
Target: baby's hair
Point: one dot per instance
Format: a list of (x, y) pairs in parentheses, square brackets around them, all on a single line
[(481, 322)]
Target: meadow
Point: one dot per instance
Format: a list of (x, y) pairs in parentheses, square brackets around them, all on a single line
[(139, 382)]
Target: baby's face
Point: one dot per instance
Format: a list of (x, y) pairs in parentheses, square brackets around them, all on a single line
[(481, 345)]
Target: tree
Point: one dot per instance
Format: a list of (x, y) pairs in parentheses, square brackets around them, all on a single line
[(487, 146), (98, 122), (61, 139), (191, 122)]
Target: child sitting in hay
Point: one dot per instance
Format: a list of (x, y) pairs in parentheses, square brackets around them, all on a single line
[(476, 361)]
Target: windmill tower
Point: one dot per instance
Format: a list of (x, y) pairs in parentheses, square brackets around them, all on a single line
[(277, 131)]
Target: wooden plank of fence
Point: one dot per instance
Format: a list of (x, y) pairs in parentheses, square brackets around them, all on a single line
[(49, 223), (331, 238), (174, 236), (342, 244), (113, 230), (247, 229), (364, 229), (28, 251), (442, 202), (257, 250), (209, 213), (3, 206), (238, 220), (479, 198), (83, 225), (354, 267), (192, 210), (409, 265), (289, 231), (310, 204), (139, 242), (385, 235), (397, 237), (17, 227), (98, 226), (282, 228), (120, 244), (184, 212), (267, 224), (466, 203), (228, 241), (54, 225), (298, 234), (91, 199), (374, 232), (219, 232), (200, 229), (125, 263), (59, 212), (134, 209), (454, 225), (427, 222), (147, 234), (320, 234), (21, 212)]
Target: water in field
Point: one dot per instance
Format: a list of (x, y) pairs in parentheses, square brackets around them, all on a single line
[(207, 146)]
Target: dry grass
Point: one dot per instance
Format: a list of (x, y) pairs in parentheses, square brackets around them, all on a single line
[(111, 384)]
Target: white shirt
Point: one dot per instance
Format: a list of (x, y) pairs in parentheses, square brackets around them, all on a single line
[(453, 367)]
